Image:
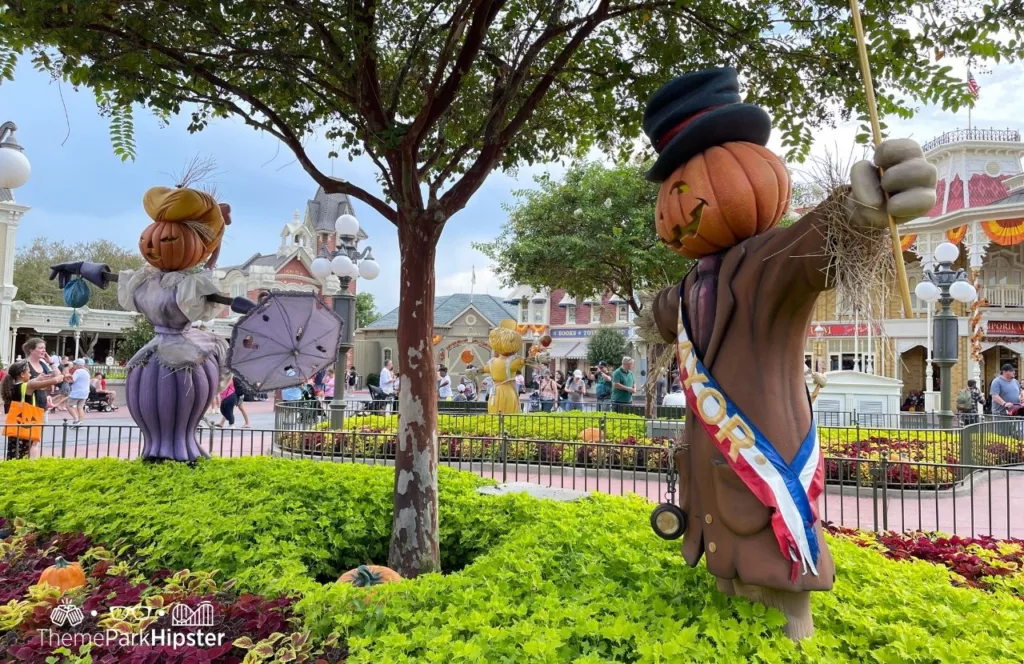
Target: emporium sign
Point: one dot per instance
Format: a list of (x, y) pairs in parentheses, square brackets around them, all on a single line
[(1005, 328)]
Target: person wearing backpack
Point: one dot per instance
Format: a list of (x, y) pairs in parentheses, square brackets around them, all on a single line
[(967, 401)]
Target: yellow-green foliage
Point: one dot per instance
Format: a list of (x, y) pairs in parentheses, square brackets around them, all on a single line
[(528, 581)]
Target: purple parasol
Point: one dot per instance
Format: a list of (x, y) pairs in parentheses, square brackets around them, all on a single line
[(286, 339)]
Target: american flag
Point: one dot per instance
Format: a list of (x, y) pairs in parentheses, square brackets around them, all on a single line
[(972, 85)]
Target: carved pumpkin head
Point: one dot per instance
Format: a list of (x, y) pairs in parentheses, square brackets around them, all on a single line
[(720, 197), (504, 340), (187, 227)]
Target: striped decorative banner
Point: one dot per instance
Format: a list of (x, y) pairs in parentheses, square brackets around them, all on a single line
[(955, 235)]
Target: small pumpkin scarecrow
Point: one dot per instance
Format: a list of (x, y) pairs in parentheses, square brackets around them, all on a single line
[(505, 343), (751, 470)]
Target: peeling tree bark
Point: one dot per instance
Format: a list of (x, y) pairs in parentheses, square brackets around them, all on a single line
[(414, 529)]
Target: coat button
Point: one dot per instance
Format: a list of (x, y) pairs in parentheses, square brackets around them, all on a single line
[(707, 519), (712, 547)]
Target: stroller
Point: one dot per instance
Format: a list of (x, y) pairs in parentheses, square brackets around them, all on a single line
[(379, 401)]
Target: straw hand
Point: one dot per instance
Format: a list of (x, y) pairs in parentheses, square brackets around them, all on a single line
[(904, 190)]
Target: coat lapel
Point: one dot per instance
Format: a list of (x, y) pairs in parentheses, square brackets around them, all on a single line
[(725, 304)]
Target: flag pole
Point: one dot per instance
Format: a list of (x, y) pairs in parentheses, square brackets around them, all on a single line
[(876, 131)]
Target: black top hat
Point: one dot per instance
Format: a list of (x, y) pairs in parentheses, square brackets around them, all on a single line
[(696, 111)]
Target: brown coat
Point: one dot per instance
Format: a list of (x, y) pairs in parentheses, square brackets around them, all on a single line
[(754, 348)]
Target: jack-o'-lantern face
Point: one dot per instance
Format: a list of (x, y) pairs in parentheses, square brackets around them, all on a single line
[(171, 246), (721, 197)]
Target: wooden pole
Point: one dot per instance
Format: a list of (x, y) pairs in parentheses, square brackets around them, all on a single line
[(876, 131)]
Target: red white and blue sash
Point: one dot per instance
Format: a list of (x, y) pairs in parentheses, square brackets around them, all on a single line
[(791, 490)]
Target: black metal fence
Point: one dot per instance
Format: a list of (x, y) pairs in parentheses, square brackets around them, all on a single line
[(884, 489)]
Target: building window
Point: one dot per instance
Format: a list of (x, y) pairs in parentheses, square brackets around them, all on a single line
[(595, 313), (538, 312), (386, 356), (238, 289), (844, 308), (622, 313), (570, 315), (524, 312)]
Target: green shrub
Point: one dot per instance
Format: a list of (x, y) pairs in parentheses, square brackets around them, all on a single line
[(584, 582), (275, 524), (589, 582)]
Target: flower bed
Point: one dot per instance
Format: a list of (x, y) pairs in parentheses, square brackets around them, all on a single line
[(976, 562), (106, 619), (526, 580)]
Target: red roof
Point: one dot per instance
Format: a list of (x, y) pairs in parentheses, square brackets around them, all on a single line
[(956, 195), (985, 189), (940, 191)]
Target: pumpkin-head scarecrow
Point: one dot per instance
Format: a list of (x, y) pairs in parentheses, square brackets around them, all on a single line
[(173, 379), (751, 472), (505, 343)]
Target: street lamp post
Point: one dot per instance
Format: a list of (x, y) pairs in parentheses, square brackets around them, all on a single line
[(945, 285), (347, 263)]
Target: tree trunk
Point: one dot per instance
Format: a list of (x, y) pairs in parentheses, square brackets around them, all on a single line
[(414, 534)]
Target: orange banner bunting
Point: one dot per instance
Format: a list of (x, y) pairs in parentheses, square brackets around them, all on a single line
[(907, 241), (1006, 232), (522, 329), (955, 235), (539, 329)]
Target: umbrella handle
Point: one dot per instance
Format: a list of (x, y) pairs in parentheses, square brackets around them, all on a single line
[(240, 305)]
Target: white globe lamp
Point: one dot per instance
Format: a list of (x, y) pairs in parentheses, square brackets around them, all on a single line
[(353, 272), (14, 167), (320, 267), (946, 252), (341, 265), (369, 269), (963, 291), (347, 226), (926, 291)]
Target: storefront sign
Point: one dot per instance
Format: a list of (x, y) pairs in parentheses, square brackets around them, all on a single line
[(1006, 328), (842, 331), (572, 333)]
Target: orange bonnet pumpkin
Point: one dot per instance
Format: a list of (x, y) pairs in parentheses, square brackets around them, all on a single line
[(63, 575), (720, 197), (188, 226)]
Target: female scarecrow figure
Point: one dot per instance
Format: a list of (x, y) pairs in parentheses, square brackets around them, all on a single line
[(173, 379), (751, 471)]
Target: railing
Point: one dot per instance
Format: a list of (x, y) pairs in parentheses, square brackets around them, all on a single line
[(957, 135), (300, 415), (880, 493), (1002, 296)]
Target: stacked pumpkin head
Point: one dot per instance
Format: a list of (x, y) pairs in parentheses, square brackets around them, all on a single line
[(188, 226), (719, 184)]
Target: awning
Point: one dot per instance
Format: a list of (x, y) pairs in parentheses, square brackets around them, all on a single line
[(563, 349)]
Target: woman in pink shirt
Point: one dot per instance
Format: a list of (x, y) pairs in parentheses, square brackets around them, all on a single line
[(329, 385), (228, 401)]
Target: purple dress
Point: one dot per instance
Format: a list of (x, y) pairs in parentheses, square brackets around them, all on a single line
[(172, 380)]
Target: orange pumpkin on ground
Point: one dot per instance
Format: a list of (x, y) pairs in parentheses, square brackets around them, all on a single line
[(63, 575), (591, 435), (365, 576), (720, 197)]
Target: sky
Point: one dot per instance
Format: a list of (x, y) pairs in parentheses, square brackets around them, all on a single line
[(79, 190)]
